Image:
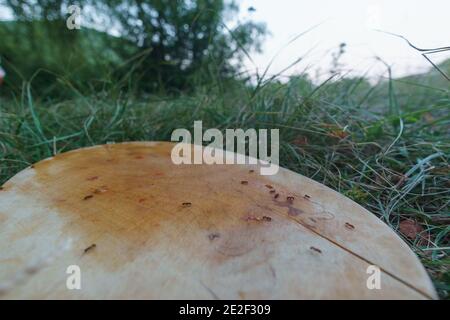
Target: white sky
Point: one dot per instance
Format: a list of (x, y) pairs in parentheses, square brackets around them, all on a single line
[(424, 23)]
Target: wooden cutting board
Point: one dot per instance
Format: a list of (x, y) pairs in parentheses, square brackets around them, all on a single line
[(139, 226)]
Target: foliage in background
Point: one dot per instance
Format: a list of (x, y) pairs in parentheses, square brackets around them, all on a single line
[(168, 42)]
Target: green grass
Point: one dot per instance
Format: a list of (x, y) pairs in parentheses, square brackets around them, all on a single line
[(387, 146)]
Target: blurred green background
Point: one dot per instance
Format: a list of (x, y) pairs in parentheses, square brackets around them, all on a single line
[(160, 45)]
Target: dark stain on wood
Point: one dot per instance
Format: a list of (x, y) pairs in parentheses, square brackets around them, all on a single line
[(213, 236), (292, 211), (92, 246), (349, 226), (254, 218), (315, 249)]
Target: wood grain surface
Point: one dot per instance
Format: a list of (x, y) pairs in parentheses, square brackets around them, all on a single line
[(141, 227)]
